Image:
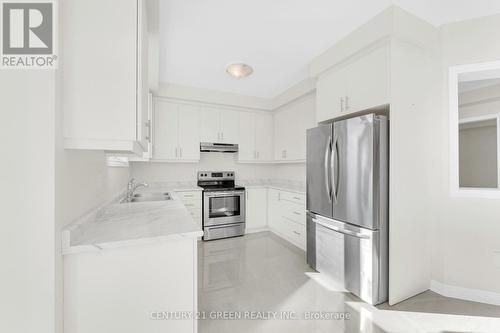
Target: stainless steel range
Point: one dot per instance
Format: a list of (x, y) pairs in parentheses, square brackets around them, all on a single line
[(223, 205)]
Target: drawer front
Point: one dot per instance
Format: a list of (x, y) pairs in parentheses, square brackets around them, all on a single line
[(295, 231), (189, 195), (293, 212), (192, 204), (293, 197)]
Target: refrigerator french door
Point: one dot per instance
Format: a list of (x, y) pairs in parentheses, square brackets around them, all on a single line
[(347, 203)]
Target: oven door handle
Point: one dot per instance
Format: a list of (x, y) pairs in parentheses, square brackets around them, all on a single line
[(223, 194)]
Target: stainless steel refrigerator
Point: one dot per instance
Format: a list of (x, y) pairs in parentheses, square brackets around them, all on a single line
[(347, 204)]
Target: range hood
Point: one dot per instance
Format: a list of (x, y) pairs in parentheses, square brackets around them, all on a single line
[(218, 147)]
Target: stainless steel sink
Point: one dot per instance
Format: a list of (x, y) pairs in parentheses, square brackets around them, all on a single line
[(145, 197)]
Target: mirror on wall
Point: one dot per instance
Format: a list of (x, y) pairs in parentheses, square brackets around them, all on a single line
[(477, 127)]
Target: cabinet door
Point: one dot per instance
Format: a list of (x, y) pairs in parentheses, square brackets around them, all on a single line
[(229, 120), (189, 132), (166, 131), (210, 125), (143, 121), (246, 149), (100, 71), (368, 81), (280, 133), (256, 208), (264, 137), (303, 114), (331, 91), (273, 209)]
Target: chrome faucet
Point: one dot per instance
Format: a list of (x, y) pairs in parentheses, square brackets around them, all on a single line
[(132, 187)]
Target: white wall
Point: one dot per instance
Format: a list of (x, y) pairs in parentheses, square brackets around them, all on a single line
[(293, 171), (27, 202), (466, 247), (166, 172)]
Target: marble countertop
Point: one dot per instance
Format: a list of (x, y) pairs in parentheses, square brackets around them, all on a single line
[(116, 223)]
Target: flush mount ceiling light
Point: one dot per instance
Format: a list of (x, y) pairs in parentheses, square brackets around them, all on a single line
[(239, 70)]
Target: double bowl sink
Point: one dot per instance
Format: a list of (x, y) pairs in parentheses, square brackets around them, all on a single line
[(146, 197)]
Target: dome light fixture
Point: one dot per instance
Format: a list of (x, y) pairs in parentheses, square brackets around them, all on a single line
[(239, 70)]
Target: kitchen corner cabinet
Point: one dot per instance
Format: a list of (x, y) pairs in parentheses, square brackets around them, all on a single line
[(256, 137), (104, 75), (219, 125), (290, 124), (361, 84), (176, 132), (256, 208)]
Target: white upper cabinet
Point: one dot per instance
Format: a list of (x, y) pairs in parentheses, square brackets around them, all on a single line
[(176, 132), (189, 132), (255, 137), (290, 124), (165, 146), (246, 148), (361, 84), (210, 131), (331, 91), (229, 126), (219, 125), (264, 137), (104, 70)]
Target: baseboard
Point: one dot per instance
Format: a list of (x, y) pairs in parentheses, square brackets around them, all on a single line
[(475, 295)]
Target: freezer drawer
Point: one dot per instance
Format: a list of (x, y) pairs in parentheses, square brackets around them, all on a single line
[(353, 257)]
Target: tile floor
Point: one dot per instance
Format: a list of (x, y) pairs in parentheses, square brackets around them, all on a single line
[(261, 275)]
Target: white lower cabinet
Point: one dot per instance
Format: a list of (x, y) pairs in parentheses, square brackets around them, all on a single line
[(125, 289), (287, 216), (256, 208), (192, 202)]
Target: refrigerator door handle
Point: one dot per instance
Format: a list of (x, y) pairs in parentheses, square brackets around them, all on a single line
[(335, 166), (328, 173), (342, 231)]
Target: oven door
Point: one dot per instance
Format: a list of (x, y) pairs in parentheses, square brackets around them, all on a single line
[(221, 208)]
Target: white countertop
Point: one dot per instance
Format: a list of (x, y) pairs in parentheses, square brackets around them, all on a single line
[(118, 224)]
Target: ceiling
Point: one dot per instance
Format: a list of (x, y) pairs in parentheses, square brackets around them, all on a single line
[(278, 38)]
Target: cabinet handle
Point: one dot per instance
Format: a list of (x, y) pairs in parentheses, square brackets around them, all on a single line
[(296, 198), (176, 154), (297, 233), (341, 104), (148, 135), (347, 103), (222, 136), (297, 213), (285, 153), (258, 155), (180, 149)]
